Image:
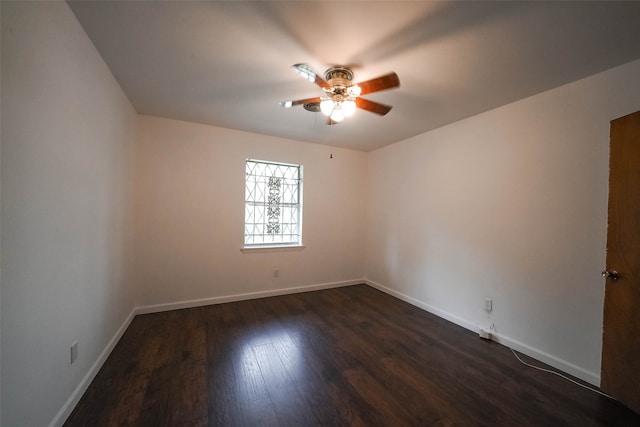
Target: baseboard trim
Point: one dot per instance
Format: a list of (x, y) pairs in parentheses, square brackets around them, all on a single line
[(426, 307), (549, 359), (241, 297), (73, 400)]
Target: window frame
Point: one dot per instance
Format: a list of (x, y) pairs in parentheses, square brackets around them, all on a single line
[(271, 246)]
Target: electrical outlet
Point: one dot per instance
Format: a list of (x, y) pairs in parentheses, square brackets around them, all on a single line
[(276, 273), (74, 351), (488, 304)]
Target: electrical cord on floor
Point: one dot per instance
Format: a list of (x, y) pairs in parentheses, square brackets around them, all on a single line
[(560, 375)]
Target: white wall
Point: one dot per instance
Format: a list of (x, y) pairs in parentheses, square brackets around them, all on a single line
[(67, 138), (190, 214), (510, 204)]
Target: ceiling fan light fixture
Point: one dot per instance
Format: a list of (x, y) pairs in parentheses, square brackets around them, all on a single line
[(337, 107), (348, 107), (337, 115), (326, 106)]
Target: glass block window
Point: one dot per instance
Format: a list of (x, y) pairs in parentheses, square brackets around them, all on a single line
[(272, 204)]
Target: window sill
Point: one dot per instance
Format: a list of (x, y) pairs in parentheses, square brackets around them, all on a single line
[(283, 248)]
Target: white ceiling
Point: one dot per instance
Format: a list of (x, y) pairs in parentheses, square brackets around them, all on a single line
[(228, 63)]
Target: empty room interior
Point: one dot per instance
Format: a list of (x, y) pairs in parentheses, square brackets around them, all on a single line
[(318, 213)]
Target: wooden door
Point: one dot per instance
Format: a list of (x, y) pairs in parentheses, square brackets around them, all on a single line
[(620, 376)]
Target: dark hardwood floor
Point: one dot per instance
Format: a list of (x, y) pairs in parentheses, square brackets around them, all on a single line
[(350, 356)]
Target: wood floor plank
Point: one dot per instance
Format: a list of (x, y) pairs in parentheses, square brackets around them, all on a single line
[(388, 412), (188, 394), (350, 356), (273, 372)]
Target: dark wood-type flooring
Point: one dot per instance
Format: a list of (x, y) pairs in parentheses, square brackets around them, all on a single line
[(350, 356)]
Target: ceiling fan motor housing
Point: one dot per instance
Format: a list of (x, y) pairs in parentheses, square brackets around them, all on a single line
[(339, 76)]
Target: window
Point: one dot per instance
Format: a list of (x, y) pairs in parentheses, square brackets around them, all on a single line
[(273, 204)]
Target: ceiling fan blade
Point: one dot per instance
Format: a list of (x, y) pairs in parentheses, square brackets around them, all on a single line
[(305, 71), (289, 104), (374, 107), (380, 83)]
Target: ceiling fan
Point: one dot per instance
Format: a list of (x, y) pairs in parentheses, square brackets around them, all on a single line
[(341, 95)]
